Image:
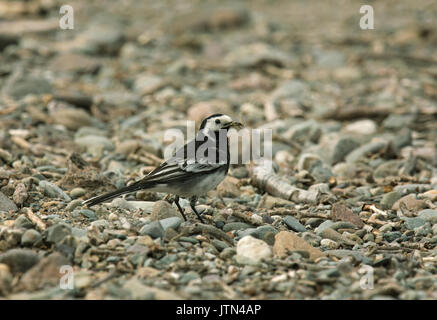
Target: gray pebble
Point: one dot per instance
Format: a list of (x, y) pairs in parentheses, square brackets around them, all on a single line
[(31, 237), (153, 229), (173, 222), (53, 191), (294, 224)]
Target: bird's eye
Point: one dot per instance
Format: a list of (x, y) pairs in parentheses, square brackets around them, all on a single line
[(217, 121)]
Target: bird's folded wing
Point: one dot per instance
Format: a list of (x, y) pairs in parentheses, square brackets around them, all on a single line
[(177, 168)]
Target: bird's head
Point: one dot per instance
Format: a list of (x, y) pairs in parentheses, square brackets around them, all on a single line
[(217, 122)]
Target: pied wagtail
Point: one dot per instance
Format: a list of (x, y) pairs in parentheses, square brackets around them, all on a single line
[(195, 169)]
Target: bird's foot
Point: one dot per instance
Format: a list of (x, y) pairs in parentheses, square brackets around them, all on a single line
[(193, 201)]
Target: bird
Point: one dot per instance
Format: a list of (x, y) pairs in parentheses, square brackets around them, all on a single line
[(193, 170)]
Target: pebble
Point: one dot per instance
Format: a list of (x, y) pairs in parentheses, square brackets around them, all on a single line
[(153, 229), (30, 238), (19, 260), (429, 215), (287, 241), (77, 193), (162, 210), (326, 224), (294, 224), (23, 222), (6, 204), (328, 243), (235, 226), (90, 214), (172, 222), (95, 144), (253, 249), (389, 199), (410, 202), (343, 213), (57, 233), (53, 191), (413, 223), (227, 253)]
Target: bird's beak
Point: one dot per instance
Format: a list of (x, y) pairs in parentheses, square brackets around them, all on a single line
[(234, 124)]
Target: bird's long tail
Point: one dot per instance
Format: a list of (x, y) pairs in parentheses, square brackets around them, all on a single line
[(114, 194)]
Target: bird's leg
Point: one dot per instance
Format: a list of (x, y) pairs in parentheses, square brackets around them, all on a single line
[(176, 200), (193, 201), (169, 198)]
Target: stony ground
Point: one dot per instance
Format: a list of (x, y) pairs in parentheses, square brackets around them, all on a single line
[(350, 211)]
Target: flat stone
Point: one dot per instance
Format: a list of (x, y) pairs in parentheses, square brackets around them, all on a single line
[(253, 249), (153, 229), (6, 204), (162, 209), (294, 224), (429, 215), (53, 191), (389, 199), (19, 260), (172, 222), (286, 241), (341, 212)]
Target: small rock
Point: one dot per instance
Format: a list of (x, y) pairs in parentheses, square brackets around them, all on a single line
[(72, 118), (95, 144), (73, 205), (77, 193), (269, 202), (294, 224), (172, 222), (336, 236), (19, 260), (288, 241), (326, 224), (162, 210), (429, 215), (431, 195), (341, 212), (398, 121), (5, 280), (53, 190), (6, 204), (20, 194), (147, 84), (153, 229), (253, 249), (328, 243), (90, 214), (365, 150), (30, 238), (235, 226), (413, 223), (20, 85), (46, 272), (361, 127), (57, 233), (389, 199), (23, 222), (227, 253), (228, 188), (410, 203), (219, 245)]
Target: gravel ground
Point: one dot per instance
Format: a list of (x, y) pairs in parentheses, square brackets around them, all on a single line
[(349, 212)]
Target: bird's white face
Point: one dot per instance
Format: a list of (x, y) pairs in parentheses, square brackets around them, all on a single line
[(219, 122)]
